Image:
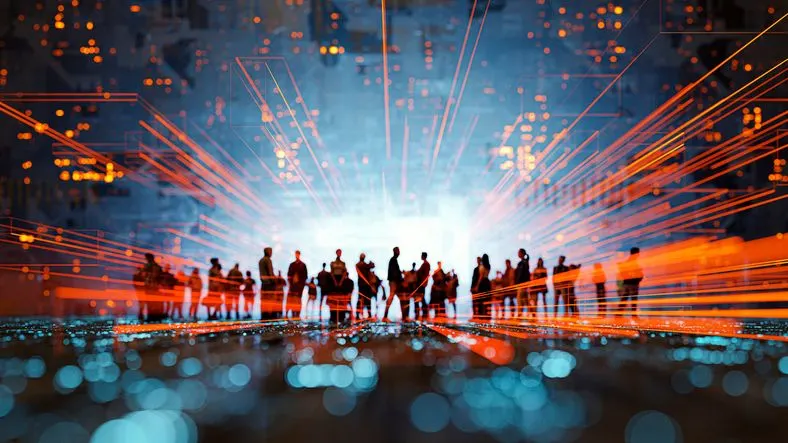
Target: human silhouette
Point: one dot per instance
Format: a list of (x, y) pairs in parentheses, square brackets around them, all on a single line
[(235, 279), (365, 285), (267, 285), (422, 279), (560, 286), (215, 289), (296, 280), (483, 288), (522, 275), (599, 279), (539, 285), (195, 293), (632, 275), (395, 282), (248, 293)]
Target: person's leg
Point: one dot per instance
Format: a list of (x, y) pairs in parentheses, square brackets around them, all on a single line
[(556, 299), (634, 299), (392, 293)]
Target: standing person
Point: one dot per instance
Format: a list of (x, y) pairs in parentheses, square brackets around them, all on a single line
[(324, 282), (138, 281), (496, 296), (483, 287), (279, 295), (248, 293), (438, 291), (451, 293), (599, 278), (195, 293), (377, 288), (409, 286), (395, 281), (235, 279), (153, 305), (560, 286), (215, 289), (539, 279), (632, 275), (312, 299), (167, 285), (508, 282), (365, 285), (522, 275), (267, 284), (422, 280), (571, 280), (338, 276), (181, 281), (475, 287), (296, 280)]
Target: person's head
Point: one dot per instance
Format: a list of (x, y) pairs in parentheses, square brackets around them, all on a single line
[(215, 261), (236, 266), (396, 251), (521, 253), (414, 265), (498, 274), (423, 255), (486, 261), (195, 271), (312, 280), (324, 266), (149, 257), (268, 251), (478, 260), (362, 257), (634, 251), (598, 266), (439, 265), (298, 254), (540, 263), (508, 263), (339, 253), (248, 274), (561, 260), (279, 273)]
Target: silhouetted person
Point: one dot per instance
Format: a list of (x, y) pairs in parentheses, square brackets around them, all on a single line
[(409, 286), (267, 285), (167, 286), (296, 279), (438, 291), (451, 293), (522, 275), (153, 305), (235, 279), (509, 280), (483, 288), (422, 279), (365, 291), (631, 275), (560, 286), (215, 289), (181, 282), (312, 297), (475, 287), (539, 286), (324, 282), (599, 278), (378, 291), (195, 293), (395, 282), (338, 270), (248, 293), (571, 279), (279, 295), (138, 281)]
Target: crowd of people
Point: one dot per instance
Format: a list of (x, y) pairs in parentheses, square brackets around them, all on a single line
[(163, 294)]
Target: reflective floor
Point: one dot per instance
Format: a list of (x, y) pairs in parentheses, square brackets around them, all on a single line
[(101, 381)]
